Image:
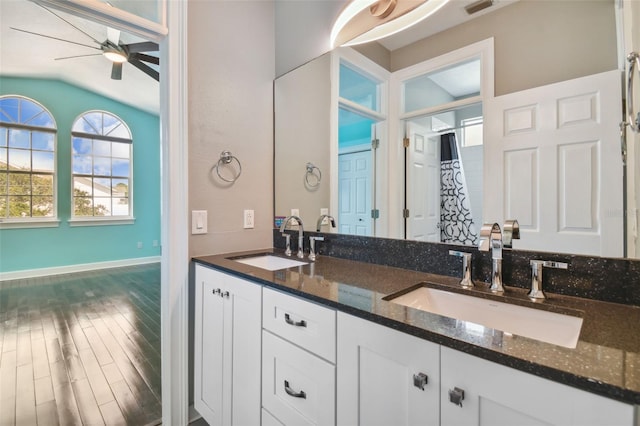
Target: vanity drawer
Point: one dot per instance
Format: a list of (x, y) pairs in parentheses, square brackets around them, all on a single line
[(298, 388), (303, 323)]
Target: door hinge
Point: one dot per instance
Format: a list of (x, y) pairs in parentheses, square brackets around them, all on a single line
[(375, 214), (405, 213), (375, 144), (406, 142)]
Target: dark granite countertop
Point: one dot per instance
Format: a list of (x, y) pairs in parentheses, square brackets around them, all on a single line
[(606, 360)]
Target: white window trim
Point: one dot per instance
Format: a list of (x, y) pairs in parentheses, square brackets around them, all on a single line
[(101, 221), (48, 222)]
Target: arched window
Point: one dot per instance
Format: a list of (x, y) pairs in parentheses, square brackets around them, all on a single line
[(101, 166), (27, 161)]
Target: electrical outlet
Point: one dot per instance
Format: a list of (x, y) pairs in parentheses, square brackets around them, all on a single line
[(155, 243), (139, 244), (249, 219)]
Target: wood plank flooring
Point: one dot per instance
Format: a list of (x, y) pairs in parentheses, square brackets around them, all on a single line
[(81, 349)]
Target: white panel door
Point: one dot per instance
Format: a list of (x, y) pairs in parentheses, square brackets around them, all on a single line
[(354, 187), (375, 376), (423, 184), (553, 163)]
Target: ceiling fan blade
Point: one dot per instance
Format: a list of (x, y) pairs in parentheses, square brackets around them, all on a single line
[(55, 38), (77, 56), (145, 46), (113, 36), (116, 71), (145, 58), (60, 17), (145, 68)]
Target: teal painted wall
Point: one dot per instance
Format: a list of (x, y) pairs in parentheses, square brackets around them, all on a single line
[(24, 249)]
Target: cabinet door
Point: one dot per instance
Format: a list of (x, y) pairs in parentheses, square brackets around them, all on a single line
[(497, 395), (208, 346), (375, 381), (227, 342), (244, 312)]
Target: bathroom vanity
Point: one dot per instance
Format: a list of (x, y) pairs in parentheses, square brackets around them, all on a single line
[(321, 343)]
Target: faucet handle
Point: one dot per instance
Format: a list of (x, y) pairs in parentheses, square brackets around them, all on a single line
[(312, 246), (537, 266), (466, 281)]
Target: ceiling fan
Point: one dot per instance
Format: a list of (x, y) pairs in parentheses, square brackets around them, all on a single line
[(113, 49)]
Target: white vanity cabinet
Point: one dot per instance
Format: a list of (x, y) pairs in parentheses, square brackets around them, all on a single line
[(377, 367), (227, 348), (497, 395), (298, 361)]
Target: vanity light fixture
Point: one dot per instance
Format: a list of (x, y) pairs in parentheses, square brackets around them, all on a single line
[(362, 21)]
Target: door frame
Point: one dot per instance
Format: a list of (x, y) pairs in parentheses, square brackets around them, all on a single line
[(174, 184)]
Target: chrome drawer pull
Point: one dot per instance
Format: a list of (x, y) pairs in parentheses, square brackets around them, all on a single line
[(288, 320), (293, 393)]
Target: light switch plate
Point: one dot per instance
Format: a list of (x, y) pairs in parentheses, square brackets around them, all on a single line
[(198, 222), (249, 219), (324, 210)]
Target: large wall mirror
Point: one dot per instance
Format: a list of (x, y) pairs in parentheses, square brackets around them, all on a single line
[(441, 100)]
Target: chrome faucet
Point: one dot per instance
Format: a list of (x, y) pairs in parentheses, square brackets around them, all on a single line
[(285, 222), (312, 240), (492, 237), (322, 217)]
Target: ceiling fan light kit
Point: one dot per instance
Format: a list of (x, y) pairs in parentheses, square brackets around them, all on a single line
[(118, 53)]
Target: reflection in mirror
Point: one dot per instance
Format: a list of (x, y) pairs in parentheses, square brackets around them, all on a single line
[(578, 40)]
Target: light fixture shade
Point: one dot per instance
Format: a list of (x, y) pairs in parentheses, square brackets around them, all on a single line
[(358, 24), (115, 55)]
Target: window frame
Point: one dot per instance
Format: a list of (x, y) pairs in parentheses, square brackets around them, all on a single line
[(128, 219), (37, 221)]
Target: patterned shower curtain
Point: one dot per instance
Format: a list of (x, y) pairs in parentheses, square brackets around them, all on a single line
[(456, 221)]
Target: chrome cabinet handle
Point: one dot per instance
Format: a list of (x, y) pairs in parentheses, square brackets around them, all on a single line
[(288, 320), (456, 396), (420, 380), (293, 393)]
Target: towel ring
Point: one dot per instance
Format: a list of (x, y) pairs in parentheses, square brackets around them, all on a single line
[(634, 119), (226, 158), (315, 173)]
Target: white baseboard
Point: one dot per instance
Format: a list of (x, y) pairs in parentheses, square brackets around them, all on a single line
[(57, 270)]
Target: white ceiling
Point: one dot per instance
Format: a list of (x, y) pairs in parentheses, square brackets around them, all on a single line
[(28, 55)]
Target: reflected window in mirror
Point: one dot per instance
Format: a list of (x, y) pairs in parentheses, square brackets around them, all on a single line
[(27, 161), (360, 107)]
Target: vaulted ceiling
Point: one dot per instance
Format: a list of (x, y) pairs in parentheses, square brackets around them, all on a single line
[(28, 55)]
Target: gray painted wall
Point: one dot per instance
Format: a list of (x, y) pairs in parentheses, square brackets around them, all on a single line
[(231, 71)]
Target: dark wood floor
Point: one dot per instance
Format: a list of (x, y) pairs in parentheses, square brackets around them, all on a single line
[(81, 349)]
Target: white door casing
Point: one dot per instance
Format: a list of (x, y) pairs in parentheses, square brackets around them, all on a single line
[(553, 163)]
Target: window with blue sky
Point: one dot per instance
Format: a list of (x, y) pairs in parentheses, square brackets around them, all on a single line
[(101, 166), (27, 160)]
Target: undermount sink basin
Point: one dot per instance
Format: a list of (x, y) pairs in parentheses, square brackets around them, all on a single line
[(550, 327), (269, 262)]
